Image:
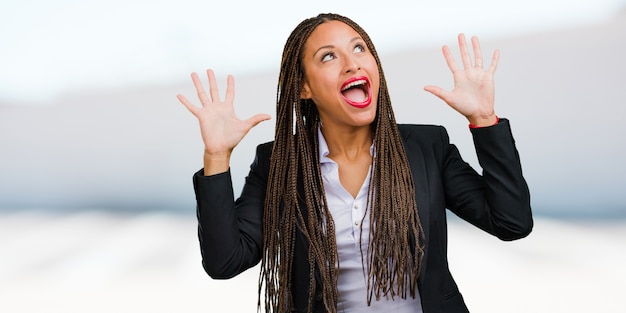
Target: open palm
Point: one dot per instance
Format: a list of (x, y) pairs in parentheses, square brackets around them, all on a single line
[(473, 92), (221, 129)]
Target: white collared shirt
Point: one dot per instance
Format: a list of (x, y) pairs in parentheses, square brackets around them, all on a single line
[(348, 214)]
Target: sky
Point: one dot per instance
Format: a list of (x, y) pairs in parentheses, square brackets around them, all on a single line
[(53, 47)]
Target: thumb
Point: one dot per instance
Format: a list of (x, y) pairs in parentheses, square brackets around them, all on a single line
[(256, 119), (438, 92)]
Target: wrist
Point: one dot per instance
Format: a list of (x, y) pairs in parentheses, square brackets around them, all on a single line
[(216, 155), (215, 163)]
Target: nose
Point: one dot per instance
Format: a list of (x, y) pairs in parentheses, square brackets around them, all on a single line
[(351, 64)]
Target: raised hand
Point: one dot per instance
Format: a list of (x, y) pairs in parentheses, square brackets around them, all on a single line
[(221, 129), (473, 92)]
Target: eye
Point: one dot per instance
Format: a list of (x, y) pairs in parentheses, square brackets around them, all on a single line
[(359, 48), (328, 56)]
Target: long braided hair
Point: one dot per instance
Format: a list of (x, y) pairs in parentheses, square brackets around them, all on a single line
[(295, 200)]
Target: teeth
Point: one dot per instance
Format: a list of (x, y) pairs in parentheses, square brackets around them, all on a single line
[(354, 83)]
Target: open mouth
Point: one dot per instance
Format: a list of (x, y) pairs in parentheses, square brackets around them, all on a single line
[(356, 91)]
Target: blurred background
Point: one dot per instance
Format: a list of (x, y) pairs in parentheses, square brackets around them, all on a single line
[(97, 211)]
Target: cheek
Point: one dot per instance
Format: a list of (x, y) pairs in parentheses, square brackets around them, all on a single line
[(324, 88), (375, 81), (372, 68)]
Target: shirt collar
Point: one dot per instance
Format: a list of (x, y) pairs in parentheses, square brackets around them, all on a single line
[(323, 147)]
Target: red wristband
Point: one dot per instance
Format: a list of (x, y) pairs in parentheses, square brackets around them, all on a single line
[(474, 126)]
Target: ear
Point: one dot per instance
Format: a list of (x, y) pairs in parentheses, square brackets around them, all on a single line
[(305, 92)]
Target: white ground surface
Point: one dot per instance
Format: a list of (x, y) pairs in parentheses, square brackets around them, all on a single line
[(98, 262)]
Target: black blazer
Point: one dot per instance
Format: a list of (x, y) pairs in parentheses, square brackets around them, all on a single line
[(498, 202)]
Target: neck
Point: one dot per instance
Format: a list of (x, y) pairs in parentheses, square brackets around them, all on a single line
[(349, 143)]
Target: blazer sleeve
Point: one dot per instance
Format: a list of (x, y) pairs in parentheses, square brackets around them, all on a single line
[(230, 231), (499, 200)]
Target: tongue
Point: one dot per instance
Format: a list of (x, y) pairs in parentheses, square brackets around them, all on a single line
[(355, 95)]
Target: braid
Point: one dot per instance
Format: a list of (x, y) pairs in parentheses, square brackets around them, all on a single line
[(296, 203), (392, 258)]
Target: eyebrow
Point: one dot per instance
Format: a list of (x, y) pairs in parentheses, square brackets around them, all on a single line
[(331, 46)]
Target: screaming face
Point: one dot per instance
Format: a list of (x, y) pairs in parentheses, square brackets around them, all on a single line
[(340, 76)]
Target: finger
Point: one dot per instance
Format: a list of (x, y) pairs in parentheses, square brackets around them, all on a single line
[(478, 56), (230, 89), (213, 90), (465, 55), (447, 54), (199, 89), (192, 108), (494, 62)]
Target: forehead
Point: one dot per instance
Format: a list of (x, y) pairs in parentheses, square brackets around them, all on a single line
[(331, 33)]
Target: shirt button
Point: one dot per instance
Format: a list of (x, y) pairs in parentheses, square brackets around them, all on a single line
[(356, 206), (356, 223)]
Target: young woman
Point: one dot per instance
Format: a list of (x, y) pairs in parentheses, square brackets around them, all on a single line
[(345, 209)]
